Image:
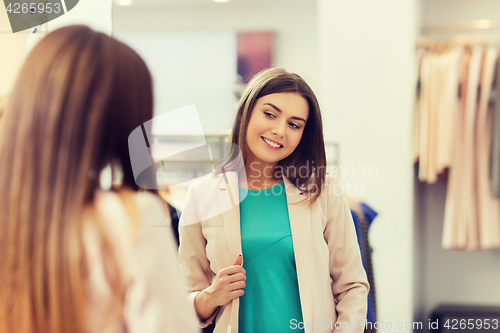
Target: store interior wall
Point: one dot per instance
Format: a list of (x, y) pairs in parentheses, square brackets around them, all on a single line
[(293, 21), (191, 67), (455, 11), (453, 276)]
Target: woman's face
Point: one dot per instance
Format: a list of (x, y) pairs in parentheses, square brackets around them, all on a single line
[(275, 128)]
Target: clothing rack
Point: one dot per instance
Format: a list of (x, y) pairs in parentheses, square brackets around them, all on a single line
[(467, 26), (453, 130)]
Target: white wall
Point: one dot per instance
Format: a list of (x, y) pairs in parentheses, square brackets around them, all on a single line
[(191, 67), (454, 11), (366, 82), (293, 21), (451, 276)]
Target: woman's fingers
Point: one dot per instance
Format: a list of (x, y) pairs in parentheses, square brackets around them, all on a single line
[(236, 277), (238, 261), (228, 284), (237, 285), (235, 269), (236, 293)]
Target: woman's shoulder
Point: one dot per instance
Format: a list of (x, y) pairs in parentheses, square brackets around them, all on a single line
[(208, 183), (332, 188), (114, 200), (111, 203), (131, 220), (128, 213), (333, 182)]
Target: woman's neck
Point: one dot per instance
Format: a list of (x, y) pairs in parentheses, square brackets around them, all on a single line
[(259, 175)]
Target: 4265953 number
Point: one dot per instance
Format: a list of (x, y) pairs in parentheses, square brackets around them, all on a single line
[(33, 8), (471, 324)]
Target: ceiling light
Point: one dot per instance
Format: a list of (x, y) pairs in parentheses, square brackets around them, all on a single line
[(220, 0), (123, 2)]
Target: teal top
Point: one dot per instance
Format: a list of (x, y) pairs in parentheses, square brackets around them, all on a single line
[(271, 302)]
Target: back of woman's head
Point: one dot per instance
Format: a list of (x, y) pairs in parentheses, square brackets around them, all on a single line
[(78, 96)]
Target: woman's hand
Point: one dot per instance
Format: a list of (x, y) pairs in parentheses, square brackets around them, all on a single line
[(228, 285)]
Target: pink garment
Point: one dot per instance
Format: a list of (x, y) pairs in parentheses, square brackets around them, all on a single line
[(448, 107), (454, 233), (416, 114), (488, 223), (437, 107), (435, 92), (154, 300), (469, 191), (472, 215), (425, 73)]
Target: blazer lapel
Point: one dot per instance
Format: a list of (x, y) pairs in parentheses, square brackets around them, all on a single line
[(229, 206), (300, 223)]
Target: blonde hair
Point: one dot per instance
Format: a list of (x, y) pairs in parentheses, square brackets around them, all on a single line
[(78, 96)]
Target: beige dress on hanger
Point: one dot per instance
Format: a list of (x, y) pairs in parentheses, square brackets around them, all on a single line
[(469, 192), (435, 92), (448, 108), (454, 234), (425, 73), (488, 206), (416, 114)]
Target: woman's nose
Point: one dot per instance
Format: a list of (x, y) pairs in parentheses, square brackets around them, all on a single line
[(279, 129)]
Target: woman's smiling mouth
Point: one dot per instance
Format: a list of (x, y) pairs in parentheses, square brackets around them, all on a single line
[(271, 144)]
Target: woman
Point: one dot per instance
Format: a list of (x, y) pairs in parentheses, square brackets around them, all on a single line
[(76, 258), (286, 257)]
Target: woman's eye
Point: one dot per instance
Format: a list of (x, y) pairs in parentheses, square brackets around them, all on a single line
[(294, 125), (269, 114)]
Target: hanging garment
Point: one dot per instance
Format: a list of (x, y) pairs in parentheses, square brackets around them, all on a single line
[(447, 108), (495, 141), (425, 72), (469, 193), (433, 72), (460, 219), (437, 107), (488, 223), (416, 113), (435, 87), (454, 234), (363, 215)]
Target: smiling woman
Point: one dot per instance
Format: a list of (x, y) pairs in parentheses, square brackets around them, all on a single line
[(288, 252), (285, 110), (275, 127)]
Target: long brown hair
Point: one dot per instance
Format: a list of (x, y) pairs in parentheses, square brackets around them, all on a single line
[(78, 96), (309, 154)]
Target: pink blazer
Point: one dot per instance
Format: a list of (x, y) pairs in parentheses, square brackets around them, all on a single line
[(332, 283)]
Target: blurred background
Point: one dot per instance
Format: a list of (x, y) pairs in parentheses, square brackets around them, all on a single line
[(366, 60)]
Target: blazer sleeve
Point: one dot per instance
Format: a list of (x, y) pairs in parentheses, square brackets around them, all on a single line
[(155, 301), (195, 266), (349, 282)]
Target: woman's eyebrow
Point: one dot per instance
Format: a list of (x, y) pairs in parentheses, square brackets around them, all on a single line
[(277, 109), (274, 106)]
